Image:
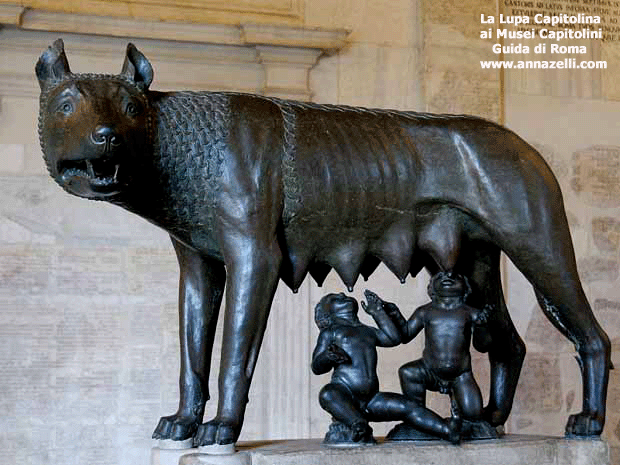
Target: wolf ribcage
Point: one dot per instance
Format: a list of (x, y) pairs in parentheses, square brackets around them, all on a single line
[(373, 175)]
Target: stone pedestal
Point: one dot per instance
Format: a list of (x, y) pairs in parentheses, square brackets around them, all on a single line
[(509, 450)]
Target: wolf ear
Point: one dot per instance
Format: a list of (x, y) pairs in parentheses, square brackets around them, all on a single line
[(137, 68), (52, 65)]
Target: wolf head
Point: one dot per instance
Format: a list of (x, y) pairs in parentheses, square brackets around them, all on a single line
[(94, 128)]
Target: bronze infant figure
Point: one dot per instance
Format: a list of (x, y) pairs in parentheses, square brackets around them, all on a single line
[(352, 397), (254, 189), (348, 347), (449, 326)]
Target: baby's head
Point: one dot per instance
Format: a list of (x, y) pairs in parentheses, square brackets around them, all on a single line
[(449, 284), (334, 306), (322, 314)]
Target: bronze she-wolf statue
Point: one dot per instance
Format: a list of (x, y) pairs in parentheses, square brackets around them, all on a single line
[(255, 189)]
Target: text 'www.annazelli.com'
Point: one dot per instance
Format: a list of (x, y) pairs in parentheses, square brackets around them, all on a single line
[(567, 63)]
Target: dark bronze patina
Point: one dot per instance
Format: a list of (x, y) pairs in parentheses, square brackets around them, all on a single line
[(445, 366), (255, 189), (348, 347)]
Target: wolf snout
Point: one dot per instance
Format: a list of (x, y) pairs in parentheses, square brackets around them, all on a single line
[(106, 136)]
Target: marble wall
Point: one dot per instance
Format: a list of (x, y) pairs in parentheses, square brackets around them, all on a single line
[(88, 325)]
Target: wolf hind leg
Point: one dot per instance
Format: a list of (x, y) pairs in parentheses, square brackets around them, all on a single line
[(593, 346), (548, 263), (480, 262)]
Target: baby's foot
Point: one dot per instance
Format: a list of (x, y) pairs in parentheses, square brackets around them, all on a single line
[(361, 432), (454, 430)]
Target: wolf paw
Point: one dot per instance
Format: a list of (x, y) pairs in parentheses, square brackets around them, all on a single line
[(494, 416), (176, 427), (216, 432), (584, 425)]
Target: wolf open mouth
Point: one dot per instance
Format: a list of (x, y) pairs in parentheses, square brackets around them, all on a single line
[(99, 172)]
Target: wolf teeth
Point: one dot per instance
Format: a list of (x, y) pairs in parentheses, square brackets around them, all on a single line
[(90, 169)]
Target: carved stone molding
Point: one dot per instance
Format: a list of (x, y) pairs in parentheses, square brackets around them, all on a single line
[(240, 34), (257, 58), (289, 12), (11, 14), (287, 71)]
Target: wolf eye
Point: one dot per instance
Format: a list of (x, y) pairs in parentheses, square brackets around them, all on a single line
[(132, 109), (66, 108)]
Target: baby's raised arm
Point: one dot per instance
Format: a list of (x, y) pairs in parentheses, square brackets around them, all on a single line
[(415, 324), (387, 334)]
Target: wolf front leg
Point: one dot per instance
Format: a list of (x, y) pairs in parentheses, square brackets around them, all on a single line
[(201, 288), (253, 270), (500, 337)]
